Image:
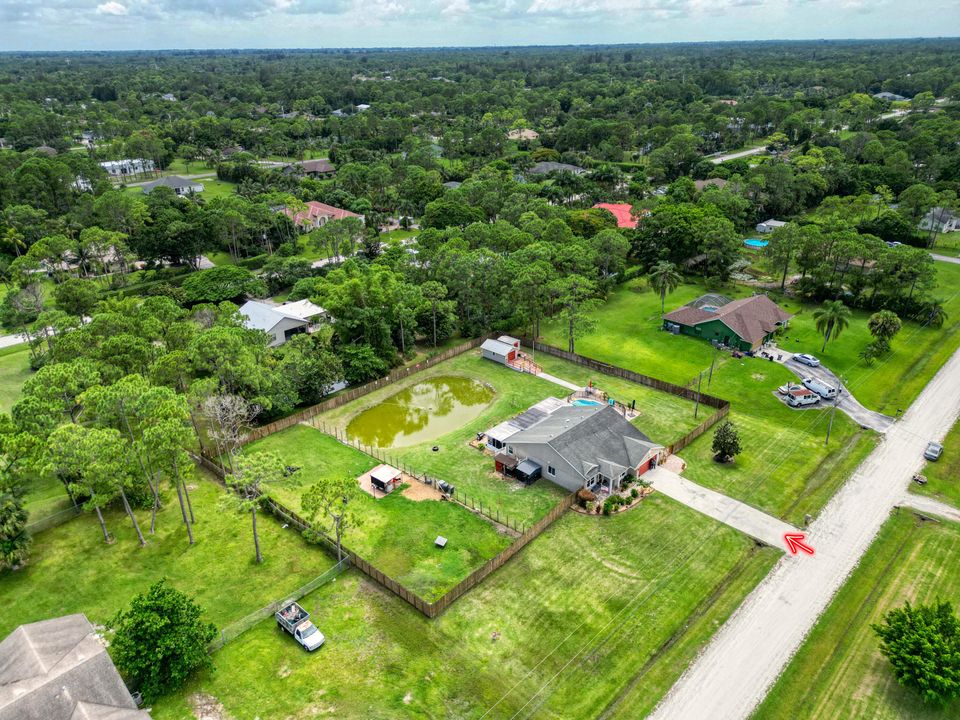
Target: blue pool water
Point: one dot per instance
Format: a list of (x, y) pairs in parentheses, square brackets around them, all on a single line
[(756, 242), (580, 402)]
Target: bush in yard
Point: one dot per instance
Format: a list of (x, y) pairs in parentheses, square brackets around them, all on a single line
[(726, 442), (923, 645), (160, 641), (226, 282), (634, 494), (14, 541)]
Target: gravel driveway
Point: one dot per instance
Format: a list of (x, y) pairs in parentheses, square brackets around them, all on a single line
[(735, 671)]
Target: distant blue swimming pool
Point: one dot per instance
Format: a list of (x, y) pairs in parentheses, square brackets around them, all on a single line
[(580, 402), (756, 242)]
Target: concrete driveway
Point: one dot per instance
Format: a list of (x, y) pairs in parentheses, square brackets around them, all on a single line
[(848, 403), (740, 516), (945, 258)]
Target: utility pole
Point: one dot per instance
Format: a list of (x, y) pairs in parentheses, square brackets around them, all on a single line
[(713, 360), (696, 408), (833, 411)]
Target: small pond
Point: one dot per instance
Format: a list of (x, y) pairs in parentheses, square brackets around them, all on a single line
[(421, 412)]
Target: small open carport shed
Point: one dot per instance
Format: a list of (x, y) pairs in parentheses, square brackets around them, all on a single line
[(385, 478), (506, 464), (528, 471)]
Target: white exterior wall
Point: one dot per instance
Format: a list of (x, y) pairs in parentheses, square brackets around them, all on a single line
[(278, 331)]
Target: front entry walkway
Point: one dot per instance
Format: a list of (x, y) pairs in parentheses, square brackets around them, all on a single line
[(740, 516), (927, 504)]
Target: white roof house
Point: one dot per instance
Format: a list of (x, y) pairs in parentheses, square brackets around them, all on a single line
[(770, 225), (129, 166), (277, 321), (303, 309)]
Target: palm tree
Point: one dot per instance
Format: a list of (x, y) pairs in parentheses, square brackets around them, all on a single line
[(664, 278), (831, 319)]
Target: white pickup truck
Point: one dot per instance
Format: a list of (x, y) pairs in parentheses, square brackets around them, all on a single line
[(296, 621)]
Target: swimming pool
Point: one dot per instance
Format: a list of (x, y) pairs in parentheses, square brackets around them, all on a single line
[(581, 402), (756, 243)]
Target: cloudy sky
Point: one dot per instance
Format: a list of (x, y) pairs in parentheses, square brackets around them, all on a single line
[(157, 24)]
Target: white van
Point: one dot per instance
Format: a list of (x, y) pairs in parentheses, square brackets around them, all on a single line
[(802, 398), (820, 388)]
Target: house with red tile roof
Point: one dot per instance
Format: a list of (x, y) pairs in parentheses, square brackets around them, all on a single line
[(316, 214), (744, 324), (622, 212)]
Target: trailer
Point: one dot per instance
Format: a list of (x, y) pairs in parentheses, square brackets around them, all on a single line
[(293, 619)]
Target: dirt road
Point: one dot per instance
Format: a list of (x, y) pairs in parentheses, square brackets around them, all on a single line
[(733, 674), (717, 159)]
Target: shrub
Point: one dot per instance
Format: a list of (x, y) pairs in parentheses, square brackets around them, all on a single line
[(634, 494)]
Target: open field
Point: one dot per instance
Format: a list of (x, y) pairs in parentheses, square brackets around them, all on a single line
[(785, 468), (396, 534), (595, 613), (471, 470), (14, 371), (72, 570), (839, 672), (943, 476)]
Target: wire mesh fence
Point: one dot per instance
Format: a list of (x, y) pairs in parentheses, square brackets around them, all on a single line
[(52, 520)]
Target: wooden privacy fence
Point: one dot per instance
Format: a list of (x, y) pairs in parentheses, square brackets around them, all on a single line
[(430, 609), (722, 406), (353, 393)]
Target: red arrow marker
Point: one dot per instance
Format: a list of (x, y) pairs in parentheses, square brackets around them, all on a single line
[(795, 542)]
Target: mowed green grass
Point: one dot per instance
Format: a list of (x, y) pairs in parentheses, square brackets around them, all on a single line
[(839, 672), (943, 476), (72, 570), (596, 613), (395, 533), (471, 470), (786, 468), (14, 372)]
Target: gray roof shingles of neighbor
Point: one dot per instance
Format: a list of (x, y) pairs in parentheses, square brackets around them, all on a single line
[(587, 436), (544, 167), (751, 318), (59, 670)]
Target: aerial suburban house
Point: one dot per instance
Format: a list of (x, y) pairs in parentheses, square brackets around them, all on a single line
[(702, 185), (316, 168), (316, 214), (768, 226), (623, 212), (941, 220), (59, 669), (130, 166), (889, 96), (523, 134), (591, 447), (545, 168), (282, 322), (743, 324), (180, 185)]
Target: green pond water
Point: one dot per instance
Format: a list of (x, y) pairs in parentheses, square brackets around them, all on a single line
[(422, 412)]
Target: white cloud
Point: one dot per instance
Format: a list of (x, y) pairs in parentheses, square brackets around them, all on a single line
[(112, 8)]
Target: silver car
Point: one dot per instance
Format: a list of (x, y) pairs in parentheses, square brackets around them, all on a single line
[(933, 451), (806, 359)]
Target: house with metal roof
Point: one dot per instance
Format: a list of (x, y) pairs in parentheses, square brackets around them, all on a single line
[(498, 436), (180, 185), (59, 669), (546, 167), (768, 226), (282, 322), (592, 447), (744, 324)]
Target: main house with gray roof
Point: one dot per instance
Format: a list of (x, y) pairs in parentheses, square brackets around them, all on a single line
[(180, 185), (587, 446), (59, 669), (744, 324)]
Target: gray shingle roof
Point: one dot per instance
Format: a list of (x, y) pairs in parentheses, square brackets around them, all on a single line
[(542, 168), (171, 181), (59, 670), (588, 436)]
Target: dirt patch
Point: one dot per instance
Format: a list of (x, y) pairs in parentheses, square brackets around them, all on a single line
[(675, 464), (207, 707), (409, 486), (759, 377), (408, 698)]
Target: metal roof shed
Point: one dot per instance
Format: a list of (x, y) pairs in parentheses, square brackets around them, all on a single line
[(528, 471)]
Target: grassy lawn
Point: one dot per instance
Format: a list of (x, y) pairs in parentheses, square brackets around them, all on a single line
[(221, 257), (72, 570), (396, 534), (471, 470), (785, 468), (839, 671), (943, 476), (214, 188), (14, 371), (596, 613), (948, 244)]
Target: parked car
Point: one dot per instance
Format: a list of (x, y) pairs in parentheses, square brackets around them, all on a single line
[(296, 621), (802, 398), (933, 451), (806, 359), (827, 392), (788, 388)]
